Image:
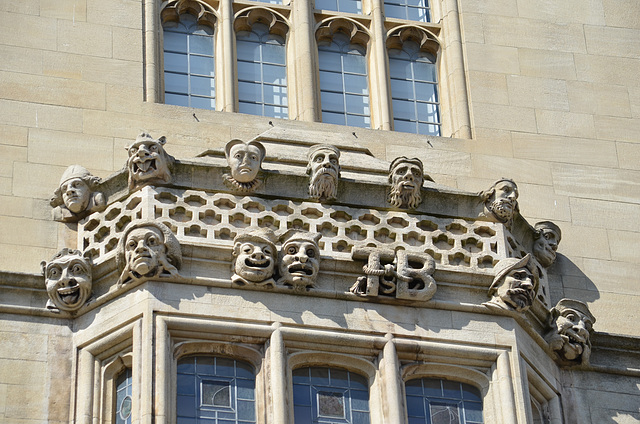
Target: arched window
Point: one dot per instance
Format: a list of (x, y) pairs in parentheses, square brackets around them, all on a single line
[(262, 72), (216, 389), (344, 89), (414, 89), (189, 64), (437, 401), (124, 403), (412, 10), (330, 395)]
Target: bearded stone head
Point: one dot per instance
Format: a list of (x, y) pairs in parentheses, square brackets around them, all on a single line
[(245, 160), (68, 280), (75, 197), (571, 325), (299, 259), (548, 237), (148, 249), (254, 257), (514, 286), (406, 177), (324, 168), (501, 201), (148, 162)]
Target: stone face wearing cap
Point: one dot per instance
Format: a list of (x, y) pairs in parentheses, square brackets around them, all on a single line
[(548, 237), (245, 160), (299, 259), (254, 257), (148, 162), (324, 168), (501, 201), (406, 177), (571, 325), (74, 199), (514, 286)]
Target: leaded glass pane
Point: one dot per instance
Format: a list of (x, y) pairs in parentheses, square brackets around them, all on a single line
[(215, 390), (437, 401), (413, 10), (329, 395), (124, 402)]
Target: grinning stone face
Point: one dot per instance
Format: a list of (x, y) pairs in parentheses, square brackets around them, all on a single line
[(68, 280), (255, 261), (147, 163)]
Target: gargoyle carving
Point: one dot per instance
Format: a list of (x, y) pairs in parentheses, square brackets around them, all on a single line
[(148, 162), (75, 197), (147, 250), (245, 160), (571, 325), (68, 280), (254, 257), (407, 275), (299, 259)]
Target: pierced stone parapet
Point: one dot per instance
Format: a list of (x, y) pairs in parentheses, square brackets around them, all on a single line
[(204, 218)]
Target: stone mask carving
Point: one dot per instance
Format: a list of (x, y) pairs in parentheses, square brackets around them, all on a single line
[(324, 168), (571, 325), (68, 280), (254, 257), (514, 286), (501, 201), (389, 273), (548, 237), (75, 197), (245, 160), (299, 259), (146, 250), (406, 177), (148, 162)]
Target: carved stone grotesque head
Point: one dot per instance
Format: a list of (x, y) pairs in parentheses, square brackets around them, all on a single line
[(245, 160), (501, 201), (571, 325), (324, 168), (548, 237), (406, 177), (299, 259), (74, 199), (148, 249), (254, 257), (148, 162), (514, 286), (68, 280)]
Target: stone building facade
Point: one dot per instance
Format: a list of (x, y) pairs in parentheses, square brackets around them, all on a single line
[(243, 259)]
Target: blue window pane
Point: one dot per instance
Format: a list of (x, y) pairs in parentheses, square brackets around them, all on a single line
[(246, 389), (350, 6), (331, 81), (357, 104), (176, 62), (330, 61), (327, 4), (276, 111), (202, 65), (360, 417), (415, 406), (275, 95), (358, 382), (402, 89), (186, 384), (244, 370), (403, 109), (425, 71), (246, 410), (426, 92), (176, 83), (405, 126), (473, 411), (301, 395), (394, 11), (427, 112), (359, 400), (356, 84), (428, 129), (201, 44), (339, 378), (203, 102), (186, 406), (470, 393), (274, 74), (249, 92), (273, 53), (302, 414), (320, 376), (432, 387), (250, 108), (332, 102), (334, 118), (202, 85), (400, 69), (248, 71), (413, 387), (175, 41), (358, 121), (248, 51), (301, 375)]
